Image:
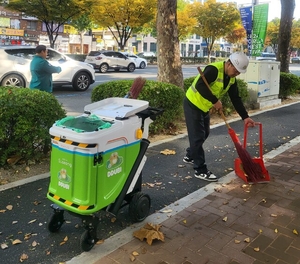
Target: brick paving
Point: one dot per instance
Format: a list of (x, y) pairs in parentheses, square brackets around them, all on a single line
[(237, 223)]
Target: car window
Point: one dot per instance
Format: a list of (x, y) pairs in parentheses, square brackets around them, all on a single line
[(22, 53), (109, 54), (94, 53), (120, 55), (132, 56), (54, 56)]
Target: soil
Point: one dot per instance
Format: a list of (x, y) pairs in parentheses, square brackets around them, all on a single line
[(21, 170)]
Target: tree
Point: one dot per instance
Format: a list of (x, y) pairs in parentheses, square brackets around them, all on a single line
[(82, 24), (186, 23), (123, 16), (54, 14), (295, 38), (168, 54), (272, 33), (283, 55), (215, 20), (237, 36)]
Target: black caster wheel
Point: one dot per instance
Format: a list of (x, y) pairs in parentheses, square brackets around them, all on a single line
[(55, 223), (87, 241), (139, 207)]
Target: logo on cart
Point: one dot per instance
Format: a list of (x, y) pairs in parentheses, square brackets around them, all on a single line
[(64, 179), (114, 164)]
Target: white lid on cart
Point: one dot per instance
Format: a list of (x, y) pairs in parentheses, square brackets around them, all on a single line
[(116, 107)]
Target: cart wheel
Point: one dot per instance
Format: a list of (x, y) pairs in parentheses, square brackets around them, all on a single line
[(55, 223), (86, 241), (139, 207)]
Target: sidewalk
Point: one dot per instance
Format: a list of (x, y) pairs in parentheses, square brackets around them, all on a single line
[(225, 222)]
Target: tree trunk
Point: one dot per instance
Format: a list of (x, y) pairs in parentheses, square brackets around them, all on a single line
[(168, 53), (286, 21)]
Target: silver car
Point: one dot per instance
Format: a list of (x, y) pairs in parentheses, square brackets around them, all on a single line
[(15, 68), (105, 60)]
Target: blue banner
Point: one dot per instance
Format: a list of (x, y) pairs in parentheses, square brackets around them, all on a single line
[(246, 17)]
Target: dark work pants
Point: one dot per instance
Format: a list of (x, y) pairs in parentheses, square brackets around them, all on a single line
[(198, 127)]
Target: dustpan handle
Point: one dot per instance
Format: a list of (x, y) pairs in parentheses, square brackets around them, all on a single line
[(260, 138)]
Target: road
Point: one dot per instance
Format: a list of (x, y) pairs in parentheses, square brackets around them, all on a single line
[(74, 102), (165, 180)]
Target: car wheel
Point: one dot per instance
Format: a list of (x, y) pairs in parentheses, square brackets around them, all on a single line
[(131, 67), (81, 81), (13, 80), (103, 68), (142, 65)]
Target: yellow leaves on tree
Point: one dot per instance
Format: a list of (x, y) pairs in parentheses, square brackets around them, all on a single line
[(149, 232)]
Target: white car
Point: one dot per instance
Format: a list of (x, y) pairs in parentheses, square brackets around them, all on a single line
[(139, 62), (15, 68), (108, 59)]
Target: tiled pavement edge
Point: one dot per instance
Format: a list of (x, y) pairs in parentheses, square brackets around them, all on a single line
[(212, 224)]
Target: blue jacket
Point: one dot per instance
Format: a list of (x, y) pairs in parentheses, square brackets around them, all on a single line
[(41, 74)]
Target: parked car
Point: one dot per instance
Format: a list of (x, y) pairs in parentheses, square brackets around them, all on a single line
[(146, 54), (139, 62), (105, 60), (267, 56), (15, 68), (295, 60)]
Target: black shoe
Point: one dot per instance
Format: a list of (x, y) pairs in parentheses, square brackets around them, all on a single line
[(188, 160), (208, 176)]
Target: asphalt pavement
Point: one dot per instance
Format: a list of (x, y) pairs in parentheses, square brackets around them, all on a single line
[(25, 210)]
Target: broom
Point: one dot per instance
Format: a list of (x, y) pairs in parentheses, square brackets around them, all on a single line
[(136, 88), (252, 169)]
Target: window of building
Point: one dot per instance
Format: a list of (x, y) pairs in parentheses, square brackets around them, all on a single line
[(145, 46), (15, 23), (153, 47), (32, 25)]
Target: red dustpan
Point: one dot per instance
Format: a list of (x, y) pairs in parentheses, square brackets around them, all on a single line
[(238, 164)]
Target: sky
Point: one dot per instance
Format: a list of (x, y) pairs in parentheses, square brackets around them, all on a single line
[(274, 7)]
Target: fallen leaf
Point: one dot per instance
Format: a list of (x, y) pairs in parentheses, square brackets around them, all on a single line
[(184, 221), (150, 232), (256, 249), (2, 211), (134, 253), (276, 230), (32, 221), (27, 236), (100, 241), (132, 258), (180, 166), (66, 238), (225, 219), (4, 246), (239, 233), (113, 219), (34, 244), (27, 169), (273, 215), (62, 243), (263, 200), (295, 232), (260, 231), (9, 207), (16, 242), (23, 257), (168, 152), (167, 211), (237, 241), (247, 239)]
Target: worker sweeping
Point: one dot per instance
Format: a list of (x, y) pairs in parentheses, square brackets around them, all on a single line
[(221, 77)]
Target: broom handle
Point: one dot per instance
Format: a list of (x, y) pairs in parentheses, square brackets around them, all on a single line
[(206, 83)]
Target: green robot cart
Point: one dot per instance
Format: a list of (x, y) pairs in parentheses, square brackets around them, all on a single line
[(96, 163)]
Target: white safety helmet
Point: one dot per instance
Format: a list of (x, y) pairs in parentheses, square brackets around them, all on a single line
[(240, 61)]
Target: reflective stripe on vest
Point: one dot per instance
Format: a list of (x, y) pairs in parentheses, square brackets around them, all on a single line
[(216, 88)]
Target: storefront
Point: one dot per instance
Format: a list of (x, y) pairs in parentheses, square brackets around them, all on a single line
[(10, 36)]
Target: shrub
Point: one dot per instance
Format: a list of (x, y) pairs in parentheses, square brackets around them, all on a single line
[(159, 95), (227, 105), (25, 118), (289, 84)]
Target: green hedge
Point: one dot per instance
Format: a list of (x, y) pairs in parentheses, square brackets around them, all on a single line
[(289, 85), (25, 118), (159, 95)]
